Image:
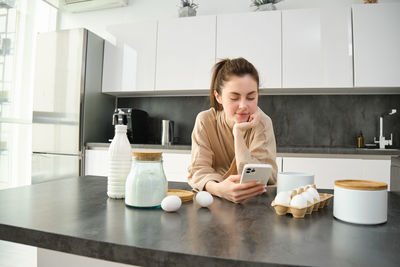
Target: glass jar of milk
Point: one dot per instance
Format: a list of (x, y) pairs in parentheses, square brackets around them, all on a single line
[(146, 185)]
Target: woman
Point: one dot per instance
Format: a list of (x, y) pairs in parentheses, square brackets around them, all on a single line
[(232, 133)]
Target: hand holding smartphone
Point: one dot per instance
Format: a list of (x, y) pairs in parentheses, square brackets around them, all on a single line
[(256, 172)]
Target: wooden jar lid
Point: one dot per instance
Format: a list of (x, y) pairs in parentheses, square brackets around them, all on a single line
[(361, 185), (147, 156), (182, 194)]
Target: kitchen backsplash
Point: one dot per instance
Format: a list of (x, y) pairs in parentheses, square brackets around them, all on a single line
[(304, 121)]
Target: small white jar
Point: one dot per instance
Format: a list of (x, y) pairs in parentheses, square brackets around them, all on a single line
[(288, 181), (360, 201), (146, 185)]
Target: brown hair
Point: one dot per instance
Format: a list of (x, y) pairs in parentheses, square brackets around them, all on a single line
[(226, 68)]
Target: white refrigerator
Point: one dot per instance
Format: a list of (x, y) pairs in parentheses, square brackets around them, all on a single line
[(69, 108)]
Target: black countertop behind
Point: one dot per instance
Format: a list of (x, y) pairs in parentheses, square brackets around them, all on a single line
[(75, 216)]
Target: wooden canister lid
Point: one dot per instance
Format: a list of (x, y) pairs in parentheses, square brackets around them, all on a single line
[(361, 185), (147, 156), (184, 195)]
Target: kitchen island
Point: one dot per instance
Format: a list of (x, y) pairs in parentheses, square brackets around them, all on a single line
[(75, 216)]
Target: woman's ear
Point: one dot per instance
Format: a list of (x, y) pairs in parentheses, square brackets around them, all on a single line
[(218, 97)]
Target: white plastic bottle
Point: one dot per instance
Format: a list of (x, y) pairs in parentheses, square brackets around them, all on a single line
[(119, 163)]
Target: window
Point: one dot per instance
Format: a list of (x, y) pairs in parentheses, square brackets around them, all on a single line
[(20, 21)]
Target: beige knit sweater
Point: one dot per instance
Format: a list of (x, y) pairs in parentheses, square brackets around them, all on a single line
[(213, 153)]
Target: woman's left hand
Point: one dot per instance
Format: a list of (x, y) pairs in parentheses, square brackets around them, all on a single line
[(240, 128)]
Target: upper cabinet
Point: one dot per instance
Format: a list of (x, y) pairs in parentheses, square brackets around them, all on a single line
[(130, 65), (185, 53), (257, 38), (317, 48), (376, 45), (297, 48)]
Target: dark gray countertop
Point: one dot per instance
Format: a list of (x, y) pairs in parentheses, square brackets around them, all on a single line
[(75, 216), (282, 150), (339, 150), (146, 146)]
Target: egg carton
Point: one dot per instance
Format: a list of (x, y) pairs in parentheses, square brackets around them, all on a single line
[(301, 212)]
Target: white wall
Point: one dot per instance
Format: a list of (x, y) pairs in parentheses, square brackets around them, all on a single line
[(97, 21)]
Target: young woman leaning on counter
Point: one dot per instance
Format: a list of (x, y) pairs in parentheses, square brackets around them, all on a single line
[(232, 133)]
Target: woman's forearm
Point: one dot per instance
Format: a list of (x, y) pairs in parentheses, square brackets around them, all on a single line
[(212, 188), (242, 152)]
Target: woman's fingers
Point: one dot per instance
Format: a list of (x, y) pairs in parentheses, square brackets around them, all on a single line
[(254, 117), (243, 126), (247, 185), (234, 178), (249, 195), (241, 195), (240, 192), (250, 190)]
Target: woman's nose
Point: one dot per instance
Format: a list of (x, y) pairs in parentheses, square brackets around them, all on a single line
[(243, 103)]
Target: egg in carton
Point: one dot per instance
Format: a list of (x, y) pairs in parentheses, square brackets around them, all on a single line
[(301, 204)]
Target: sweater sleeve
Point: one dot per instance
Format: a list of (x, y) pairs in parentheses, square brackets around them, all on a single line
[(262, 149), (201, 170)]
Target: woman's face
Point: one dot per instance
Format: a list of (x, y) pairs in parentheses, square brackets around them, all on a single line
[(239, 98)]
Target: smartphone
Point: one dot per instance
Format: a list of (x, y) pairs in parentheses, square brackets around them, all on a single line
[(256, 172)]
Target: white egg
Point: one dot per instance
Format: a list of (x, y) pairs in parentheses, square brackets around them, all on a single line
[(204, 199), (298, 201), (308, 196), (314, 192), (171, 203), (300, 189), (283, 198)]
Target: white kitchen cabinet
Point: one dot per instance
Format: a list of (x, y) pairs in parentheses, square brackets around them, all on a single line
[(185, 53), (256, 37), (279, 163), (376, 45), (317, 48), (175, 164), (130, 65), (96, 162), (327, 170), (376, 170)]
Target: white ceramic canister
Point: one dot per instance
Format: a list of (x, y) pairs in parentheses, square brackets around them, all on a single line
[(360, 201), (290, 180)]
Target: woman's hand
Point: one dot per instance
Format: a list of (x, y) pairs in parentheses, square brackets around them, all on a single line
[(241, 128), (235, 192)]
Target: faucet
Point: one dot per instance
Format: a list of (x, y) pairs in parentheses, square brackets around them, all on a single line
[(382, 142)]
